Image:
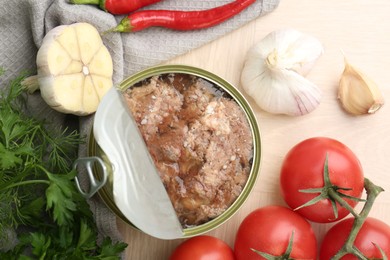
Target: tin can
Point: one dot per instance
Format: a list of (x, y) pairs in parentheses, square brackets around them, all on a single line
[(101, 172)]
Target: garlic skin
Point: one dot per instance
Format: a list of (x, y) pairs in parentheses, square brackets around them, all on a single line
[(274, 70), (74, 69), (357, 93)]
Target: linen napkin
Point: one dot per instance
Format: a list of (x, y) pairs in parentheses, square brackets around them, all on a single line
[(24, 23)]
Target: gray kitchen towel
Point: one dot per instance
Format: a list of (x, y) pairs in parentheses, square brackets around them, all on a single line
[(24, 23)]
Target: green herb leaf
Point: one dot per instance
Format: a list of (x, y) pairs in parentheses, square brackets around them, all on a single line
[(12, 158), (40, 243), (59, 197), (87, 237), (111, 250), (32, 210)]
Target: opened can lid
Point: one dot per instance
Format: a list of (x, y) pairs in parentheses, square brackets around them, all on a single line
[(137, 188)]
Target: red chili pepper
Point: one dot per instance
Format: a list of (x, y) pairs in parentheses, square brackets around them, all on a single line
[(117, 6), (180, 20)]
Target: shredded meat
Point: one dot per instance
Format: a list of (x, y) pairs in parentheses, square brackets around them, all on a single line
[(199, 139)]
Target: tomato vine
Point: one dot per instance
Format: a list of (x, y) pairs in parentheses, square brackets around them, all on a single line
[(372, 191), (322, 179)]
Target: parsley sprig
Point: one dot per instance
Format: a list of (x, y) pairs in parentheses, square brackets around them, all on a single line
[(38, 199)]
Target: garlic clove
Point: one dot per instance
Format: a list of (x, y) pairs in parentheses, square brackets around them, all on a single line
[(100, 65), (274, 69), (89, 42), (73, 67), (57, 59), (68, 39), (90, 98), (100, 83), (305, 95), (357, 93), (55, 91)]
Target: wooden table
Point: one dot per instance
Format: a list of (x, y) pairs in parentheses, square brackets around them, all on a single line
[(359, 28)]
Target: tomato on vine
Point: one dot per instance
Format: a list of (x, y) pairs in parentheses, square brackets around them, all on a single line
[(275, 231), (322, 179), (372, 240)]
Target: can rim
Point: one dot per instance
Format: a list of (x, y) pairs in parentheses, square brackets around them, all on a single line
[(251, 118)]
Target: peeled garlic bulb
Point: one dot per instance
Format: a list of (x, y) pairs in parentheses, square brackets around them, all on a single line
[(74, 69), (274, 70), (358, 94)]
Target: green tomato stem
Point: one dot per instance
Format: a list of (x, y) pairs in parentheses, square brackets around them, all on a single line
[(372, 191), (336, 196), (284, 256), (330, 192)]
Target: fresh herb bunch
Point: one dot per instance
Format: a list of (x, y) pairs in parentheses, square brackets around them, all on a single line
[(38, 198)]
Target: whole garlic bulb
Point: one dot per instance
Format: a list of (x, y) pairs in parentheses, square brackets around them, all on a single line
[(74, 69), (274, 70)]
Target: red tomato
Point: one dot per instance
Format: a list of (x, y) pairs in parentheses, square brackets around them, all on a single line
[(269, 230), (303, 168), (372, 232), (203, 248)]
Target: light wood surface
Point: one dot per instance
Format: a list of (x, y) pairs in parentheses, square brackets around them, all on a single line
[(360, 29)]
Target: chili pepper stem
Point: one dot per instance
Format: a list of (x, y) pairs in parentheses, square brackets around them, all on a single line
[(372, 193), (85, 2), (123, 26)]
